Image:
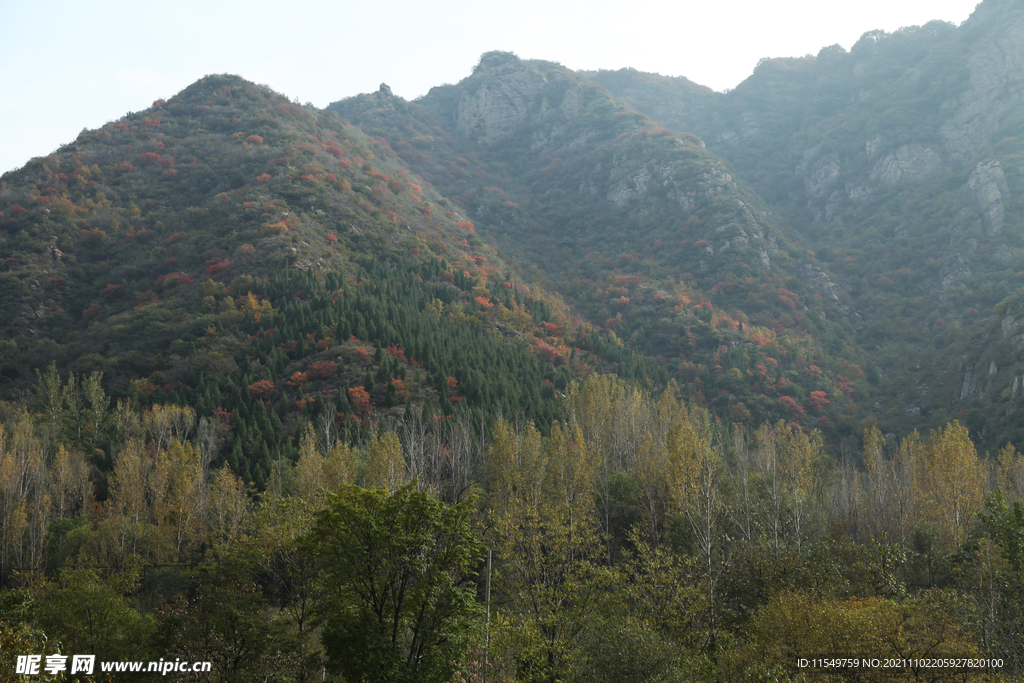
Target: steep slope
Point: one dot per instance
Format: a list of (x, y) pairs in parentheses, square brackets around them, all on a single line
[(644, 231), (264, 262), (898, 163)]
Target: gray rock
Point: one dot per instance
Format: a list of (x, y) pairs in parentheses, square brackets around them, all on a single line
[(908, 164), (984, 193), (996, 67), (816, 280), (822, 176)]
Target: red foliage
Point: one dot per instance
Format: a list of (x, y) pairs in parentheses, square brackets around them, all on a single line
[(181, 278), (364, 355), (159, 103), (224, 415), (817, 401), (425, 210), (166, 162), (453, 383), (18, 209), (125, 167), (400, 389), (359, 399), (145, 299), (844, 385), (397, 352), (152, 123), (217, 264), (92, 311), (262, 390), (484, 301), (332, 238), (761, 340), (792, 406), (552, 354), (254, 140), (322, 369)]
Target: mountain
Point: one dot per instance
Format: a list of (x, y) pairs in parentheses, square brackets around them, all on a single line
[(898, 164), (264, 263), (826, 243), (642, 230)]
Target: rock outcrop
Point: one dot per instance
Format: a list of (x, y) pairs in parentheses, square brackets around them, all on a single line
[(908, 164), (996, 85), (984, 193)]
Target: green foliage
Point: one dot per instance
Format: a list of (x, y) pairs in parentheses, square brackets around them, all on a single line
[(397, 578)]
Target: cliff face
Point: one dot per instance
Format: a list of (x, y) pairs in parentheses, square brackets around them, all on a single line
[(996, 85), (542, 117), (898, 163)]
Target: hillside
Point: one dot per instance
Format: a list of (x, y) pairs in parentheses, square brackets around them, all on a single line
[(643, 231), (262, 262), (898, 164)]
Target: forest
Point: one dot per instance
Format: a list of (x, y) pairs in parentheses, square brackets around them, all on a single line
[(637, 538)]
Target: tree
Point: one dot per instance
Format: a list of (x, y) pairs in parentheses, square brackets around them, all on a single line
[(694, 465), (397, 577), (953, 482), (385, 463)]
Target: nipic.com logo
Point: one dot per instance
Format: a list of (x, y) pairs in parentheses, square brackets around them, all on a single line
[(34, 665)]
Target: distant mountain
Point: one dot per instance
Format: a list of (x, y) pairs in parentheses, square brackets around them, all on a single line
[(898, 162)]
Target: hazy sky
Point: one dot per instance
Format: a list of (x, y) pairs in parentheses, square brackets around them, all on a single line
[(69, 65)]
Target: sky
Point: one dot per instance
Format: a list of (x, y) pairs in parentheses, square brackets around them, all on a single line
[(69, 65)]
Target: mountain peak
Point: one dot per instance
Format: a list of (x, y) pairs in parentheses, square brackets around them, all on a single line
[(496, 59)]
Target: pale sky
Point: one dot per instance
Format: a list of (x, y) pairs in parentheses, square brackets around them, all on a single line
[(69, 65)]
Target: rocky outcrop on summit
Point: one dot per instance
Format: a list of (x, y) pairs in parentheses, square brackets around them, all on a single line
[(501, 103), (984, 193), (505, 97)]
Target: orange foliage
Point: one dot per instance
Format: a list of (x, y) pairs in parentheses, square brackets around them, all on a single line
[(792, 406), (817, 401), (262, 390), (359, 399), (322, 369), (298, 379), (145, 299)]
